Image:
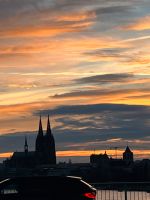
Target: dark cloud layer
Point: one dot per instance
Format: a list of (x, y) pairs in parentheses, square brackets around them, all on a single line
[(103, 121), (103, 93), (105, 78), (96, 108), (84, 127), (15, 142)]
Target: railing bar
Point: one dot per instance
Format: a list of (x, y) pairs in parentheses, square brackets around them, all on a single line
[(145, 196), (138, 195), (97, 195), (113, 195), (125, 194), (121, 195), (101, 195), (117, 194), (109, 194), (142, 195), (134, 195)]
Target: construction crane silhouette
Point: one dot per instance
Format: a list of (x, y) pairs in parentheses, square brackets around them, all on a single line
[(116, 153)]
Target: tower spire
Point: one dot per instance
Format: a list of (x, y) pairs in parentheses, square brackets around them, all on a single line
[(26, 145), (39, 145), (48, 127), (49, 145), (40, 127)]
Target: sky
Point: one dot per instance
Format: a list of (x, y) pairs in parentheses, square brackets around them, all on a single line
[(86, 63)]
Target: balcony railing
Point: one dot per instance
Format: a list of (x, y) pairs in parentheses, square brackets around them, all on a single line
[(123, 191)]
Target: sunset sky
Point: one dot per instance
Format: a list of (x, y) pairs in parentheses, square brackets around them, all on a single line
[(86, 63)]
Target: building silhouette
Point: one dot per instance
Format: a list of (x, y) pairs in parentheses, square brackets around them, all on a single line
[(100, 158), (45, 145), (103, 158), (44, 153), (128, 156)]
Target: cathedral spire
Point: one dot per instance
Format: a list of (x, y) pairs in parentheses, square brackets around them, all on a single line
[(40, 138), (26, 145), (40, 127), (48, 127), (50, 153)]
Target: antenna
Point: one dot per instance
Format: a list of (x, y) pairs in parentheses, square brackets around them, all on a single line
[(94, 151), (116, 153), (116, 148)]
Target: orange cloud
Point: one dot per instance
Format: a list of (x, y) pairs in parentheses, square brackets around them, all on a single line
[(6, 155), (43, 53), (17, 110), (137, 153), (139, 25), (127, 57), (57, 25), (87, 153), (108, 96), (67, 45), (81, 16)]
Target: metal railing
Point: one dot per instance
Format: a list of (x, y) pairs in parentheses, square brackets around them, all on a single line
[(123, 191)]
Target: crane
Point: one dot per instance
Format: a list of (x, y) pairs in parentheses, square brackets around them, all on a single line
[(115, 148)]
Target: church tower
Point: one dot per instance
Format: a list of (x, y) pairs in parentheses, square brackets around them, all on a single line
[(49, 144), (128, 156)]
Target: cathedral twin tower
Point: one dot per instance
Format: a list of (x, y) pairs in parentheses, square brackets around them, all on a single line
[(45, 145)]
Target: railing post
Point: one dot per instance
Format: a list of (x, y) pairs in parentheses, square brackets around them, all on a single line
[(125, 194)]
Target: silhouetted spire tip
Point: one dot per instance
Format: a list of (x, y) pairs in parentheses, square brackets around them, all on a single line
[(48, 126), (40, 126)]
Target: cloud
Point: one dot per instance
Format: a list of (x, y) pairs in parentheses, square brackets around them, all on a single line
[(140, 24), (15, 142), (113, 9), (105, 95), (50, 18), (97, 108), (102, 121), (101, 124), (42, 19), (87, 127), (75, 17), (109, 88), (42, 54), (120, 55), (45, 31), (109, 52), (105, 78), (70, 52)]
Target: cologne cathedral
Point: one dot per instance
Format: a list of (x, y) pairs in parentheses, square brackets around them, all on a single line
[(44, 153), (45, 145)]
